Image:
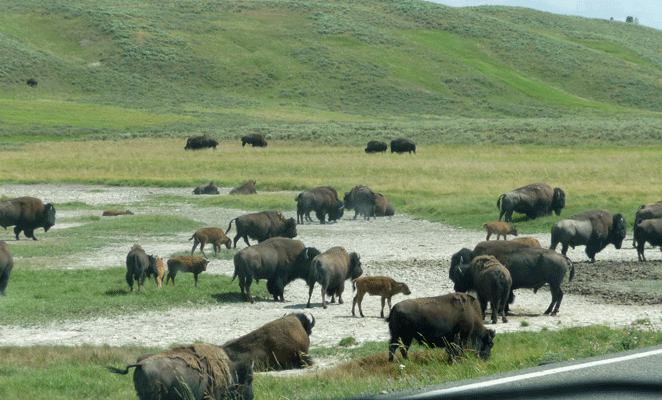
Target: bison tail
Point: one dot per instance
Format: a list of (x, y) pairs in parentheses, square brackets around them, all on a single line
[(572, 270), (191, 238), (499, 201), (230, 226), (121, 371)]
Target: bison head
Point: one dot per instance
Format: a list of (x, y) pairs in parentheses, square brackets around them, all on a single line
[(464, 279), (49, 216), (618, 230), (355, 269), (484, 343), (558, 201)]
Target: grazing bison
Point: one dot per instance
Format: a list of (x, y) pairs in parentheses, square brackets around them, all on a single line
[(262, 226), (401, 145), (115, 213), (376, 146), (377, 286), (32, 82), (209, 188), (215, 236), (648, 230), (139, 265), (331, 269), (534, 200), (323, 201), (246, 188), (277, 345), (254, 139), (194, 372), (26, 214), (362, 200), (383, 206), (594, 229), (453, 321), (272, 259), (200, 142), (194, 264), (6, 265)]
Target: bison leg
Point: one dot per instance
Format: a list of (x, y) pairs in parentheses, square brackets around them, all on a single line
[(171, 276), (324, 297), (640, 251), (129, 280), (195, 244), (358, 299), (195, 277), (403, 344), (488, 235), (557, 296), (310, 294)]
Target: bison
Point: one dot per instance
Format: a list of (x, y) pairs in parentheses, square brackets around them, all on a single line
[(500, 228), (215, 236), (401, 145), (200, 142), (648, 230), (26, 214), (262, 226), (6, 265), (376, 146), (254, 139), (270, 260), (331, 269), (194, 372), (534, 200), (277, 345), (453, 321), (246, 188), (647, 211), (377, 286), (193, 264), (594, 229), (160, 272), (323, 201), (383, 206), (209, 188), (115, 213), (300, 269), (362, 200), (32, 82), (139, 266), (529, 241)]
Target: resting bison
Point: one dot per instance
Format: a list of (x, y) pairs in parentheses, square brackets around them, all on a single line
[(594, 229), (331, 269), (215, 236), (200, 142), (383, 206), (26, 214), (401, 145), (193, 264), (254, 139), (209, 188), (246, 188), (648, 230), (534, 200), (270, 260), (262, 226), (376, 146), (323, 201), (453, 321), (32, 82), (277, 345), (115, 213), (139, 266), (362, 200), (194, 372), (6, 265), (529, 267)]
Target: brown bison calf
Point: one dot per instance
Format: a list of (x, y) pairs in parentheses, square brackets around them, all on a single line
[(193, 264), (215, 236), (114, 213), (500, 228), (377, 286), (160, 272)]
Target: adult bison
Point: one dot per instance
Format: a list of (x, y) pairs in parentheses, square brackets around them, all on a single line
[(594, 229), (209, 188), (453, 321), (254, 139), (262, 226), (246, 188), (529, 267), (277, 345), (6, 265), (32, 82), (648, 230), (534, 200), (323, 201), (26, 214), (139, 266), (200, 142), (376, 146), (402, 145), (383, 206), (647, 211), (331, 269), (362, 200), (300, 269), (266, 260), (194, 372)]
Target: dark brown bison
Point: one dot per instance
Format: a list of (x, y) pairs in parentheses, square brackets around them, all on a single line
[(246, 188), (529, 267), (193, 264), (215, 236), (453, 321), (383, 206), (648, 230), (32, 82), (262, 226), (376, 146), (277, 345), (139, 266), (594, 229), (200, 142), (271, 259), (362, 200), (647, 211), (401, 145), (323, 201), (115, 213), (254, 139), (209, 188), (300, 269), (194, 372), (331, 269), (6, 265), (26, 214), (534, 200)]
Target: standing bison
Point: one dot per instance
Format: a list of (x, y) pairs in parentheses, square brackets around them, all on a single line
[(277, 345), (215, 236), (6, 265), (254, 139), (139, 266), (200, 142), (648, 230), (331, 269), (246, 188), (376, 146), (452, 321), (323, 201), (194, 372), (401, 145), (209, 188), (534, 200), (362, 200), (262, 226), (193, 264), (594, 229), (26, 214)]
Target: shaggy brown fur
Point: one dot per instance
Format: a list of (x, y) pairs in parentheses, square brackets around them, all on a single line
[(6, 265), (331, 269), (529, 241), (114, 213), (377, 286), (246, 188), (160, 269), (492, 282), (215, 236), (193, 264), (500, 228)]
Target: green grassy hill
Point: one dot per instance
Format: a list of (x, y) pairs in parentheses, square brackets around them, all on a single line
[(114, 68)]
